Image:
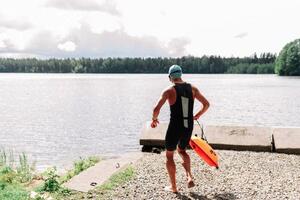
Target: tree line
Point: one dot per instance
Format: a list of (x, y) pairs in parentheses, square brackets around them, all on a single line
[(254, 64), (288, 60)]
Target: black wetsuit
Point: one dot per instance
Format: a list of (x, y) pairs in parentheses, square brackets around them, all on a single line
[(181, 121)]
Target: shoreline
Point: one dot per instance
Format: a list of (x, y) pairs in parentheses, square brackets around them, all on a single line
[(242, 175)]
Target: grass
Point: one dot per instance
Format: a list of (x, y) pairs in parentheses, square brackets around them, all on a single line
[(12, 179), (6, 160), (78, 167), (50, 183), (102, 191), (24, 170), (117, 179), (53, 183), (15, 177), (13, 192)]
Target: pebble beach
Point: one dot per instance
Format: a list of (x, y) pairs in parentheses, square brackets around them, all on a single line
[(242, 175)]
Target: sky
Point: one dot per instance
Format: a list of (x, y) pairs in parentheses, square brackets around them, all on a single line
[(146, 28)]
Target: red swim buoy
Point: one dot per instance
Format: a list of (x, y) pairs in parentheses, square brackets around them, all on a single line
[(204, 150)]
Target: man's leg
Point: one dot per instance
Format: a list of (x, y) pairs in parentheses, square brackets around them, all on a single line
[(170, 164), (187, 166)]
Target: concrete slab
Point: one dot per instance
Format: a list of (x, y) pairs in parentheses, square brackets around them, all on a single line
[(287, 140), (241, 138), (220, 137), (101, 172), (154, 136)]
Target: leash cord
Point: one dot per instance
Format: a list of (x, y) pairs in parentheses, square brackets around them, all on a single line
[(202, 132)]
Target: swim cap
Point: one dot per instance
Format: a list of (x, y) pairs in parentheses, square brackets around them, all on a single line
[(175, 71)]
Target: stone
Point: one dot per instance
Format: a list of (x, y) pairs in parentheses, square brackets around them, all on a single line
[(250, 138), (101, 172), (240, 138), (153, 136), (287, 140)]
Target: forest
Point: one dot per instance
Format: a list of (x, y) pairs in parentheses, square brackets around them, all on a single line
[(254, 64)]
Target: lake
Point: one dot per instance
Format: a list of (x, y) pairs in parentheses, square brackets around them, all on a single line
[(57, 118)]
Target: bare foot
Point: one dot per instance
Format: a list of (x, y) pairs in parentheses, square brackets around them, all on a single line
[(170, 189)]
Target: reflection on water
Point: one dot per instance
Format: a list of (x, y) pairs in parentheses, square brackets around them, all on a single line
[(56, 118)]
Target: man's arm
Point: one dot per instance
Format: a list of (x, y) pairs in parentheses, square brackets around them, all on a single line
[(163, 98), (204, 102)]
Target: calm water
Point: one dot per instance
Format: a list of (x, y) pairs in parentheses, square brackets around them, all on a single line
[(56, 118)]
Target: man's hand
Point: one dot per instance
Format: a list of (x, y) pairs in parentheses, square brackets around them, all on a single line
[(196, 117), (154, 123)]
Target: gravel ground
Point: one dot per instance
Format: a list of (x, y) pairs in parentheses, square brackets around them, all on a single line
[(242, 175)]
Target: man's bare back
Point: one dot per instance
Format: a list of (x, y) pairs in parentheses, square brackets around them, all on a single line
[(170, 95), (179, 137)]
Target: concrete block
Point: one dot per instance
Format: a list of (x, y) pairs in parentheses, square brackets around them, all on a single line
[(154, 136), (287, 140), (101, 172), (249, 138), (241, 138)]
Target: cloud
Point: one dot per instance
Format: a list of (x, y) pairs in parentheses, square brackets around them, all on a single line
[(85, 5), (83, 42), (19, 25), (67, 46), (2, 44), (115, 44), (43, 43), (6, 45), (110, 7), (241, 35), (177, 46), (17, 55)]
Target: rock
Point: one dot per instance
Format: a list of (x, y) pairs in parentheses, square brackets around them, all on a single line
[(33, 194), (242, 175)]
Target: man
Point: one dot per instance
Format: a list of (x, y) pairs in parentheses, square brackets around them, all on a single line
[(181, 97)]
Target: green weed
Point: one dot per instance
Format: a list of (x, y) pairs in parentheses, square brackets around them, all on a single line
[(51, 183), (12, 192), (118, 179), (78, 167), (24, 170), (11, 178)]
